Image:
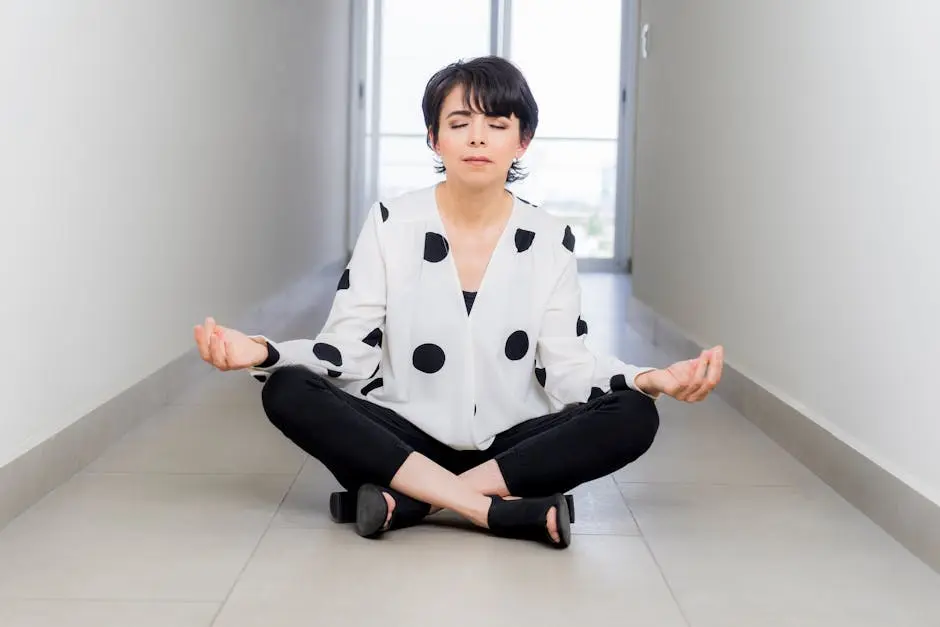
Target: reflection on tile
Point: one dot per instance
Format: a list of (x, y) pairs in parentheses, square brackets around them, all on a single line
[(708, 442), (204, 439), (223, 389), (600, 509)]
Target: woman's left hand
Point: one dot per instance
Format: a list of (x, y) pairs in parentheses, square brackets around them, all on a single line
[(691, 380)]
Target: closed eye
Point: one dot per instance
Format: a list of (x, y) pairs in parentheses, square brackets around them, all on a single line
[(496, 126)]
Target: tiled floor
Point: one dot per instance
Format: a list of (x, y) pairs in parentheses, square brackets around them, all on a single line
[(207, 516)]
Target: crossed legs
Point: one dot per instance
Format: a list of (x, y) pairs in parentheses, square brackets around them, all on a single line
[(364, 444)]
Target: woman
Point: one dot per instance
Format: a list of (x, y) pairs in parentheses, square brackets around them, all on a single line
[(452, 370)]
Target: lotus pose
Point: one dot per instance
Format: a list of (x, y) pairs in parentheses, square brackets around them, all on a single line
[(452, 371)]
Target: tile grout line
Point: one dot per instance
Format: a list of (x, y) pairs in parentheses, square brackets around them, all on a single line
[(659, 567), (254, 550), (714, 484)]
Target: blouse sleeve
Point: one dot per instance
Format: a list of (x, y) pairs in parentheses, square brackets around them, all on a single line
[(349, 346), (572, 372)]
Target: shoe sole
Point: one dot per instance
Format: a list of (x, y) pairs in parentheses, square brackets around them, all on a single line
[(563, 522), (371, 511)]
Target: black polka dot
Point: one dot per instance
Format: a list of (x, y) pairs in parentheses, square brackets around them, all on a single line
[(618, 383), (474, 410), (384, 211), (376, 370), (343, 281), (335, 374), (595, 392), (328, 352), (517, 345), (374, 338), (260, 377), (428, 358), (373, 385), (582, 327), (568, 240), (435, 247), (524, 240), (540, 376)]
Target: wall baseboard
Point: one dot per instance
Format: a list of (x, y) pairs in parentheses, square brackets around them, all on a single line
[(908, 516), (35, 473)]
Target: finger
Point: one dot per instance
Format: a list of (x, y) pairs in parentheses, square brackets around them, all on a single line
[(698, 373), (217, 351), (224, 344), (202, 342), (703, 389), (226, 353), (209, 328), (717, 363), (231, 359), (699, 382), (679, 378), (701, 368)]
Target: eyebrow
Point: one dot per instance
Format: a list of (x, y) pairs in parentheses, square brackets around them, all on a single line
[(466, 113)]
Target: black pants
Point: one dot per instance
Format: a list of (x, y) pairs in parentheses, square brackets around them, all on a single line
[(361, 442)]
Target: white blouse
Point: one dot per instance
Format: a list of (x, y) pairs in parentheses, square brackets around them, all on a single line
[(399, 334)]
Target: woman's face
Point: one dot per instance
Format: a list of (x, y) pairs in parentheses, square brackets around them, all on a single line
[(476, 149)]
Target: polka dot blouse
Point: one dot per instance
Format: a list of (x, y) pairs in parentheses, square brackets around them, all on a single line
[(460, 366)]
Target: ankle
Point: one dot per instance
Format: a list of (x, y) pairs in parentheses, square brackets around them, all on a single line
[(480, 512)]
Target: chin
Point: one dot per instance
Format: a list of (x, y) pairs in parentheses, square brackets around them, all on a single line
[(479, 179)]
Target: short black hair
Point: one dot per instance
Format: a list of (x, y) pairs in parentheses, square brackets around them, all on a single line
[(493, 86)]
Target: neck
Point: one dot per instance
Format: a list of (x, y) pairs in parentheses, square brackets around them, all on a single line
[(472, 206)]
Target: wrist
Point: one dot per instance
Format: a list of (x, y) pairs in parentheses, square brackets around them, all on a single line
[(263, 352), (646, 382)]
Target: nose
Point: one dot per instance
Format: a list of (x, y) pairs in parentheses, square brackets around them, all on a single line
[(478, 131)]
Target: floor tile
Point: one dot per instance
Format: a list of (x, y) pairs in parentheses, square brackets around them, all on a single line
[(709, 442), (70, 613), (204, 439), (307, 503), (600, 509), (446, 576), (223, 389), (744, 556), (141, 537)]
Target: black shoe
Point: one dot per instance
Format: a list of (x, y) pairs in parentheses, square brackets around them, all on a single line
[(525, 519), (343, 507), (372, 511)]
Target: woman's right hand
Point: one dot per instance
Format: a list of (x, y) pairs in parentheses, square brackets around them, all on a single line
[(228, 349)]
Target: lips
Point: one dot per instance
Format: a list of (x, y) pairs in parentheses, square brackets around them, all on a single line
[(477, 160)]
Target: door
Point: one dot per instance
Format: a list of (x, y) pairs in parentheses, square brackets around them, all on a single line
[(581, 70)]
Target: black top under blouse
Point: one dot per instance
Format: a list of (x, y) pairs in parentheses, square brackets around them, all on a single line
[(468, 298)]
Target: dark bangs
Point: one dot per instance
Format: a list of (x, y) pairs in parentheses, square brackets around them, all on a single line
[(492, 86)]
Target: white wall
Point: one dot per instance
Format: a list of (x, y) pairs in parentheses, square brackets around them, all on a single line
[(789, 206), (160, 160)]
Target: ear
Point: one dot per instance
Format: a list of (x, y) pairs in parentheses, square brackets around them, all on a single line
[(433, 141), (523, 147)]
